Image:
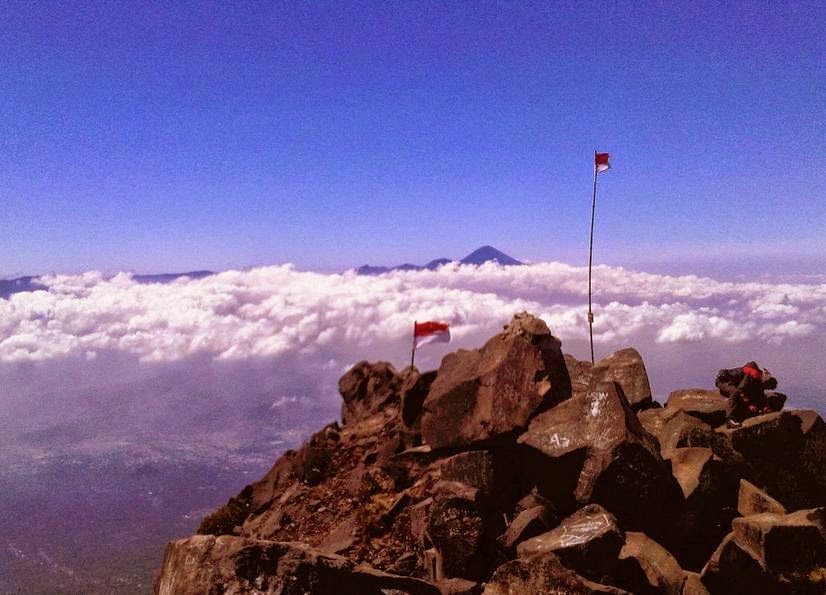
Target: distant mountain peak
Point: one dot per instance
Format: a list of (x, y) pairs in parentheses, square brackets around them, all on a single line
[(477, 257)]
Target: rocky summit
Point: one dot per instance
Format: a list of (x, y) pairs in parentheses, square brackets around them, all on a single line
[(516, 469)]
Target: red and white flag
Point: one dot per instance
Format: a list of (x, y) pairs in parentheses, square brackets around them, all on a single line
[(601, 162), (431, 332)]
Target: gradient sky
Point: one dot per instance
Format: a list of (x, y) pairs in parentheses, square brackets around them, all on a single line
[(148, 137)]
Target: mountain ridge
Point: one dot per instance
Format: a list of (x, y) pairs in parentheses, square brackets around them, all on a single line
[(479, 256)]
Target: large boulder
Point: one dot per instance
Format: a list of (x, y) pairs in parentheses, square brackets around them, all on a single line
[(366, 389), (542, 573), (670, 426), (413, 391), (621, 465), (482, 394), (710, 488), (625, 367), (462, 530), (785, 452), (589, 542), (708, 405), (227, 564), (647, 568), (752, 500), (771, 553)]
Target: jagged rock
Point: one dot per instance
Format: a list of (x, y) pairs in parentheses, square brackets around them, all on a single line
[(619, 454), (647, 568), (312, 462), (474, 468), (528, 523), (367, 388), (532, 500), (625, 367), (785, 544), (670, 426), (542, 573), (733, 569), (752, 500), (418, 522), (462, 531), (710, 489), (693, 585), (578, 373), (413, 391), (341, 537), (482, 394), (209, 564), (707, 405), (406, 564), (588, 541), (775, 445), (458, 586), (771, 553)]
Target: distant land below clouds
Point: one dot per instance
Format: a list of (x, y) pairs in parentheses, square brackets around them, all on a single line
[(481, 255), (478, 256)]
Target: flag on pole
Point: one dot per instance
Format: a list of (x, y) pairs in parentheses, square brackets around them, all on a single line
[(430, 332), (601, 162)]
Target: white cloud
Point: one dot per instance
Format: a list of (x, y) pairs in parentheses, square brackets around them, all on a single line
[(300, 330)]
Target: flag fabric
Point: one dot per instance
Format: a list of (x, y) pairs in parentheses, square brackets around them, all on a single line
[(601, 162), (431, 332)]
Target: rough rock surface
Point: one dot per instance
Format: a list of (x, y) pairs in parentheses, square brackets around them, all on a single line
[(543, 573), (227, 564), (481, 394), (707, 405), (618, 453), (625, 367), (540, 477)]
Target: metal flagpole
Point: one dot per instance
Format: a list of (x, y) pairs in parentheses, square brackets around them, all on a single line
[(591, 259), (413, 352)]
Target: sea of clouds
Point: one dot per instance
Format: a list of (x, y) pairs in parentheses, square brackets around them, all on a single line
[(283, 336)]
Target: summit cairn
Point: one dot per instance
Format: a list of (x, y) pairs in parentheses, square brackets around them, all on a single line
[(516, 469)]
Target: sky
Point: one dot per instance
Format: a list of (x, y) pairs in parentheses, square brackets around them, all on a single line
[(150, 137)]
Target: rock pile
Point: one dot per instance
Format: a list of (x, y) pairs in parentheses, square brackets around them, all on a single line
[(517, 469)]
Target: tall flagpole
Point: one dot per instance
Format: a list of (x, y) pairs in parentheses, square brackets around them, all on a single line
[(591, 259)]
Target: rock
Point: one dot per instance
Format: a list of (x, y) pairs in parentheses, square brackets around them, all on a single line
[(588, 542), (707, 405), (413, 391), (483, 394), (578, 373), (418, 521), (670, 426), (458, 586), (474, 468), (785, 544), (542, 573), (626, 368), (771, 553), (462, 532), (811, 460), (227, 564), (366, 389), (710, 489), (341, 537), (775, 446), (312, 461), (693, 585), (532, 500), (647, 568), (406, 564), (752, 500), (732, 569), (622, 467), (527, 524)]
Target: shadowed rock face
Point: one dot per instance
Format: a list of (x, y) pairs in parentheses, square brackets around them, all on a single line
[(480, 395), (438, 480)]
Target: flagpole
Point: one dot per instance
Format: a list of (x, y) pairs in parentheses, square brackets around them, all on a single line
[(413, 352), (591, 259)]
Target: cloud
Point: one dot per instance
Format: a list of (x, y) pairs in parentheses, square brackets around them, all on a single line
[(280, 316)]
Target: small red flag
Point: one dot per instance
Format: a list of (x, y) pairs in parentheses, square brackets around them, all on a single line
[(601, 162)]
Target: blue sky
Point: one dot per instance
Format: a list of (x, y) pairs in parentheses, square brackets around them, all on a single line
[(148, 137)]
